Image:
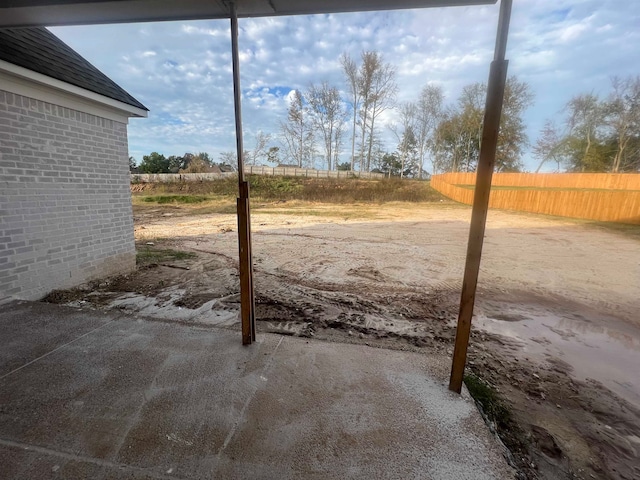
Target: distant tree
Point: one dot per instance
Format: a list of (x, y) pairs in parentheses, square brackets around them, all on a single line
[(408, 153), (175, 163), (390, 165), (586, 123), (205, 158), (273, 155), (350, 70), (512, 137), (623, 119), (377, 92), (405, 134), (132, 163), (260, 151), (154, 163), (328, 116), (429, 113), (229, 159), (550, 146), (343, 167), (197, 165), (297, 132), (459, 133)]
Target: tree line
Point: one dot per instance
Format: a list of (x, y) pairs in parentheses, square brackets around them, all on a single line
[(324, 124), (188, 163), (428, 130)]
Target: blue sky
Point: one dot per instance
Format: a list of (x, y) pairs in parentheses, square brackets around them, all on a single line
[(182, 70)]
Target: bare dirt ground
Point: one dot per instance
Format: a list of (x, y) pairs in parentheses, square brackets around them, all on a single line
[(556, 327)]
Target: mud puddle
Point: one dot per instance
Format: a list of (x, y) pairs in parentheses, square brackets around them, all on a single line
[(595, 346)]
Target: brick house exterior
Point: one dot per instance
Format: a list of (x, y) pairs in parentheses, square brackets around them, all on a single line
[(65, 201)]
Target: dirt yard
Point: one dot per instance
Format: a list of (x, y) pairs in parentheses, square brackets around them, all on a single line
[(556, 327)]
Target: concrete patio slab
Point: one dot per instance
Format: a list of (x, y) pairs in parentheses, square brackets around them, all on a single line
[(103, 395)]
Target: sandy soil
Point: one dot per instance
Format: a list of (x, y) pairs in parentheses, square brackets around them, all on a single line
[(556, 328)]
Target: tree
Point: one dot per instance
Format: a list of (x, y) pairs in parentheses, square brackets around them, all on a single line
[(549, 146), (390, 165), (260, 150), (377, 90), (407, 143), (459, 133), (197, 165), (132, 163), (273, 155), (228, 160), (154, 163), (585, 122), (350, 69), (297, 132), (512, 137), (429, 113), (343, 167), (408, 151), (456, 145), (623, 117), (328, 116)]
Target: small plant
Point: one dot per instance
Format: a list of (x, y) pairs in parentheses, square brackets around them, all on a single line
[(491, 404)]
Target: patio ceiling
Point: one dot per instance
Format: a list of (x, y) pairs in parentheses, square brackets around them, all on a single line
[(23, 13)]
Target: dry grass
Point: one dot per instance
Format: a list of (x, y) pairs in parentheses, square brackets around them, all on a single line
[(266, 188)]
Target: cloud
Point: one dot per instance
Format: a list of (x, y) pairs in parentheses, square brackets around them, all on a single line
[(182, 70)]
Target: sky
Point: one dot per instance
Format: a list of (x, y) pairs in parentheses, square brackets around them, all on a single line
[(181, 70)]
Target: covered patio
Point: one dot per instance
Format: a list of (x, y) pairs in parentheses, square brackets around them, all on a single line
[(106, 395)]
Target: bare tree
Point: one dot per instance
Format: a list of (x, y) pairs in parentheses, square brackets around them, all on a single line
[(623, 115), (350, 69), (328, 115), (378, 92), (404, 133), (429, 114), (259, 150), (297, 132), (229, 159), (549, 146)]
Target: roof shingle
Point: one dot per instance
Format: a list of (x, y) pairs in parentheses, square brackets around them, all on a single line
[(39, 50)]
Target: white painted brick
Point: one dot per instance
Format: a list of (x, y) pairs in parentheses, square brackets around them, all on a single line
[(64, 197)]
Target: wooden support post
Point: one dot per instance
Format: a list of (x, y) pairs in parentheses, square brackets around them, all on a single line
[(247, 310), (486, 162)]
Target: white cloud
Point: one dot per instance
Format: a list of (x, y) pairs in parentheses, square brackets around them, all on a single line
[(182, 70)]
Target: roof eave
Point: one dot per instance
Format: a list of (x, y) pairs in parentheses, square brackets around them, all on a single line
[(79, 12), (124, 108)]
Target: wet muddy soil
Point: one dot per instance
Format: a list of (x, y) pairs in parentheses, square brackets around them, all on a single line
[(555, 330)]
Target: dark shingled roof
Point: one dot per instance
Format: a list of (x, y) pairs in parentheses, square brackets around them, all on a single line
[(39, 50)]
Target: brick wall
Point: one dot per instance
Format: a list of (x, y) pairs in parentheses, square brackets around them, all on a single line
[(65, 202)]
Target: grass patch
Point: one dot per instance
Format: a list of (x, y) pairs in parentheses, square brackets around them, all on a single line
[(162, 199), (148, 256), (486, 396)]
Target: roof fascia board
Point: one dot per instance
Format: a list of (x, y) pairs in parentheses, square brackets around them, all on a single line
[(88, 97), (78, 12)]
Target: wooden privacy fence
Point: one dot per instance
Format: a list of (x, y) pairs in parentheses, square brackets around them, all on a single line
[(593, 196), (250, 170)]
